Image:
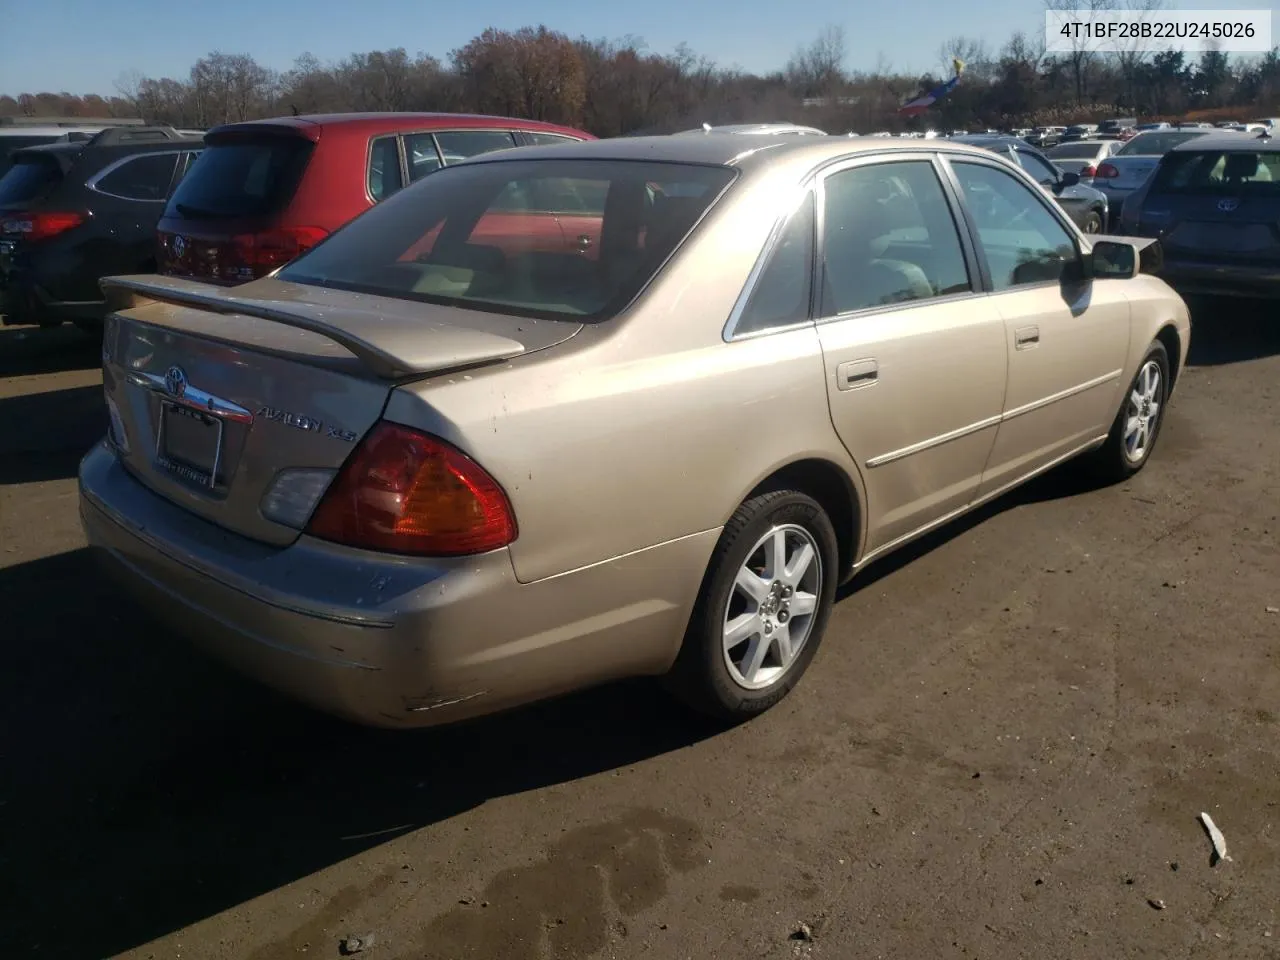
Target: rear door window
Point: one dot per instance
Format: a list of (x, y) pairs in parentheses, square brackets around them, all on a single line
[(458, 145), (144, 177), (241, 178), (1210, 172), (548, 139), (420, 150), (384, 167), (29, 179)]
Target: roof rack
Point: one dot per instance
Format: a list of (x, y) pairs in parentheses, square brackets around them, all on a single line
[(23, 121), (115, 136)]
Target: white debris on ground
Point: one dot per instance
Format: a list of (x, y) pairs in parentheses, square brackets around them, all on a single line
[(1215, 835)]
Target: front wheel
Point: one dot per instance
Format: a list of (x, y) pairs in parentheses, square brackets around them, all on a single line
[(1092, 223), (763, 607), (1136, 427)]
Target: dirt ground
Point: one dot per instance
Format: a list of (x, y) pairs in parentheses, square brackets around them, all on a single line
[(1000, 751)]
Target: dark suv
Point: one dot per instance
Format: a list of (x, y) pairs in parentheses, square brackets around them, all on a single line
[(266, 190), (72, 213)]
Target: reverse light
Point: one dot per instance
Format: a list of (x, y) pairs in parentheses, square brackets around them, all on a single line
[(39, 225), (1107, 171), (403, 491), (293, 495)]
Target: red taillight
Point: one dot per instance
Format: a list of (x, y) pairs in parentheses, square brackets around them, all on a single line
[(1107, 172), (1089, 171), (402, 491), (40, 225), (263, 252)]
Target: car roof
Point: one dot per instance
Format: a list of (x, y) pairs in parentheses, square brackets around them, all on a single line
[(989, 141), (46, 131), (749, 154), (374, 122), (1229, 141)]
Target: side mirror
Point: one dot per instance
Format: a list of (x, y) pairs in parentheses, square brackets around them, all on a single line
[(1114, 261), (1070, 179)]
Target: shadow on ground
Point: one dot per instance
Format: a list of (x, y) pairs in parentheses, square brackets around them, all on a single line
[(148, 789), (31, 350), (44, 435), (1226, 331)]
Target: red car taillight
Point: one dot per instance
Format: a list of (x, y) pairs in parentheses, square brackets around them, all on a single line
[(40, 225), (263, 252), (402, 491), (1107, 172), (1089, 171)]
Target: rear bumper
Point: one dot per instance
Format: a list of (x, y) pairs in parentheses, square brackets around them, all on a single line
[(31, 293), (1221, 280), (390, 642)]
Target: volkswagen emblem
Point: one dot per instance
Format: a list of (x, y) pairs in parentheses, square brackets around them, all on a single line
[(1229, 204), (175, 382), (179, 246)]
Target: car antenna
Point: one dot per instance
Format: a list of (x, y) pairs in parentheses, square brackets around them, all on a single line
[(1264, 135)]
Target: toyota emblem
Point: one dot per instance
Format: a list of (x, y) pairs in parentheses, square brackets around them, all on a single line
[(175, 382), (1229, 204), (179, 246)]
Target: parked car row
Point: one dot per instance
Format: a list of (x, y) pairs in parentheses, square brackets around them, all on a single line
[(224, 207)]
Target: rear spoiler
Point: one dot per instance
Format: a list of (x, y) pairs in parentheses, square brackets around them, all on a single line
[(410, 353)]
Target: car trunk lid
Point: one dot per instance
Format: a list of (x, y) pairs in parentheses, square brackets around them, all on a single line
[(213, 395), (1131, 172)]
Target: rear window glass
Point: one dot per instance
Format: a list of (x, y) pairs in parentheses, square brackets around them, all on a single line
[(241, 179), (30, 178), (1074, 151), (9, 144), (477, 236), (1155, 144), (1243, 173)]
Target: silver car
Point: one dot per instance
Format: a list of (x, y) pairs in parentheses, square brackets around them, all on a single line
[(1082, 157)]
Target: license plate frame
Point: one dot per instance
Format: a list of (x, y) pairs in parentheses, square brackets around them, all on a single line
[(188, 467)]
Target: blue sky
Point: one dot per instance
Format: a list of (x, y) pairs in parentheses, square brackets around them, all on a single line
[(82, 46)]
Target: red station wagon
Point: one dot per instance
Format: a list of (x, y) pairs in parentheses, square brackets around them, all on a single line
[(264, 191)]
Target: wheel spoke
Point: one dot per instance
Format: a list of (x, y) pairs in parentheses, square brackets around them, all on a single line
[(752, 585), (799, 565), (776, 556), (1136, 398), (803, 604), (782, 643), (1131, 427), (740, 628), (756, 651)]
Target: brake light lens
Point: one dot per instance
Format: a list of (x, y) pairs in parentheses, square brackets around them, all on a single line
[(1089, 171), (1107, 172), (263, 252), (403, 491), (40, 225)]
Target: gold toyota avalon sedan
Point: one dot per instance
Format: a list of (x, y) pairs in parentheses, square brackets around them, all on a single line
[(559, 415)]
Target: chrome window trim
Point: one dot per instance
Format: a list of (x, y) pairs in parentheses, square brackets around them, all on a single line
[(970, 258), (114, 165)]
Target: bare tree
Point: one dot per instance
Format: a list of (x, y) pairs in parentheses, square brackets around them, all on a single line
[(817, 69), (1132, 57), (1083, 49)]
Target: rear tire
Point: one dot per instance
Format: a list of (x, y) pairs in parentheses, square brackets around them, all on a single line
[(1092, 223), (1137, 424), (762, 610)]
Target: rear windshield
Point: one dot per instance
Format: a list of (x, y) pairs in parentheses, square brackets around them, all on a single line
[(1077, 129), (30, 178), (241, 178), (1210, 172), (1155, 144), (1074, 151), (540, 238)]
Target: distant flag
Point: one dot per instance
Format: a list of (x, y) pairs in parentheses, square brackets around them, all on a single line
[(920, 104)]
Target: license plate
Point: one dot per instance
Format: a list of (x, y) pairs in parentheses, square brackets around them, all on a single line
[(189, 444)]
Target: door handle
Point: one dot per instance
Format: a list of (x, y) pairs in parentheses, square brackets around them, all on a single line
[(1026, 337), (857, 373)]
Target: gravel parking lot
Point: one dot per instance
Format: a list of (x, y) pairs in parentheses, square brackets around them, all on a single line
[(1000, 751)]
